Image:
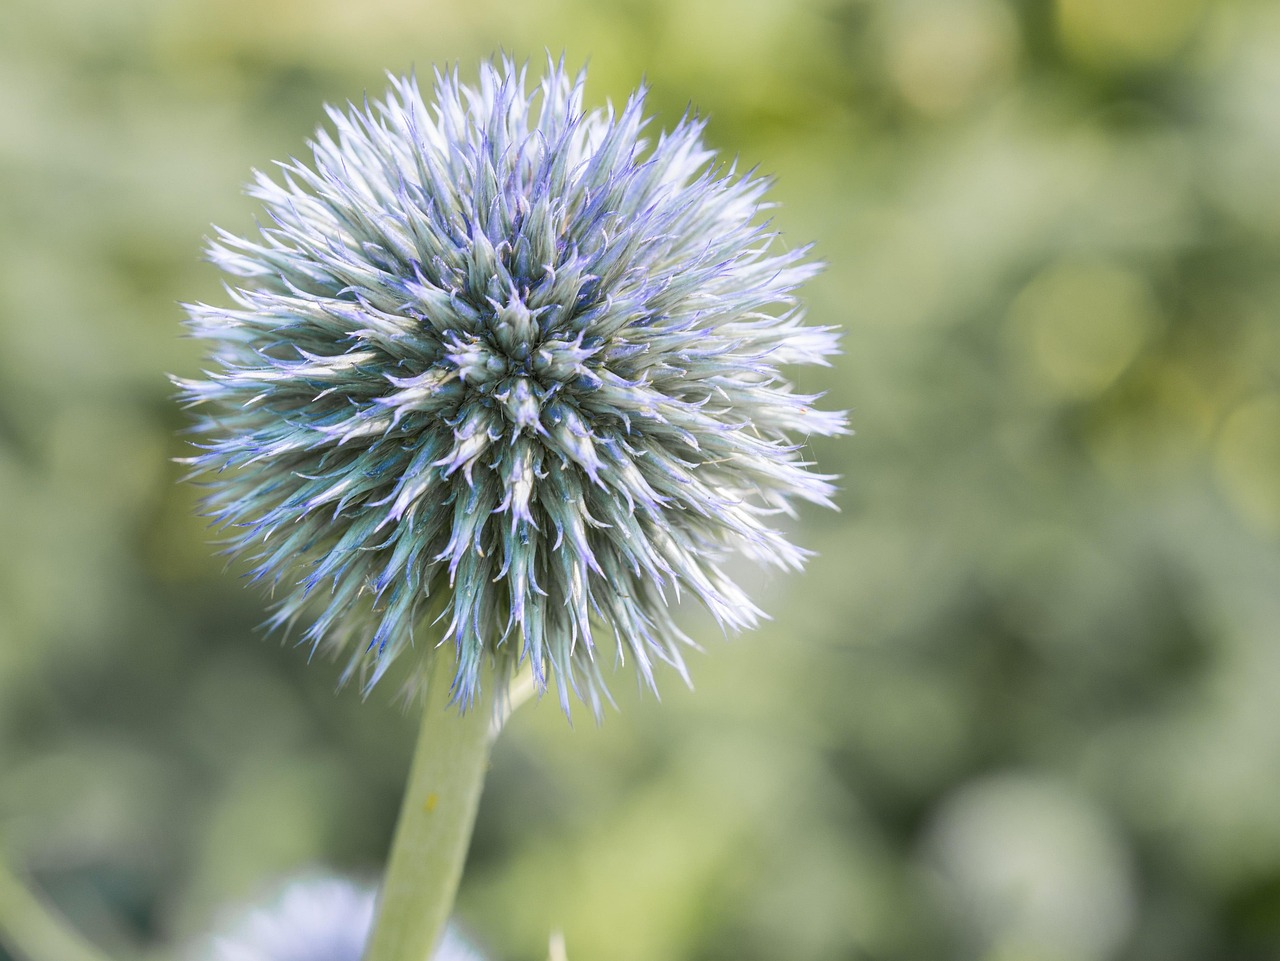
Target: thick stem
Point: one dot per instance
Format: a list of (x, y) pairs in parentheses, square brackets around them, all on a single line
[(33, 930), (436, 819)]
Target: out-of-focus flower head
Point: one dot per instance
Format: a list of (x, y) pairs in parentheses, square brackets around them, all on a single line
[(510, 368), (318, 919)]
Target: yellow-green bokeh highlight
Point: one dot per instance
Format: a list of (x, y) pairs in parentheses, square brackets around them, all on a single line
[(1127, 32), (1077, 326), (1247, 460)]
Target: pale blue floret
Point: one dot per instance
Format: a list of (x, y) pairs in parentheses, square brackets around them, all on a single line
[(315, 919), (502, 369)]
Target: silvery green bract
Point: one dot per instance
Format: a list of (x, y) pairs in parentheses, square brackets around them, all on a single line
[(506, 373)]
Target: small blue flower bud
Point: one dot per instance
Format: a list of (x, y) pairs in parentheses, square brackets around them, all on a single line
[(317, 919)]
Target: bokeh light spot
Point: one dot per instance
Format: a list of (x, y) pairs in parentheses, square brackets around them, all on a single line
[(1126, 32), (1077, 326), (1032, 869), (1247, 461), (944, 55)]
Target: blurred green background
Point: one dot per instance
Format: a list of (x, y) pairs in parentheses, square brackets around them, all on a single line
[(1022, 707)]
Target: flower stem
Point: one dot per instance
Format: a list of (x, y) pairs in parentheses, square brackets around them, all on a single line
[(436, 819), (33, 930)]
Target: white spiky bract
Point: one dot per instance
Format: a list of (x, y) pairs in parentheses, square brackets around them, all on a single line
[(501, 366)]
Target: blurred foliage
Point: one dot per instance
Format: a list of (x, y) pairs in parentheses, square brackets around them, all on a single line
[(1022, 706)]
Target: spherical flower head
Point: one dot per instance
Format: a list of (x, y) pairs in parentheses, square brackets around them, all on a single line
[(314, 919), (505, 372)]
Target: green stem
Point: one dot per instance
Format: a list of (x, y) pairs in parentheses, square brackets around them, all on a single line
[(33, 930), (436, 819)]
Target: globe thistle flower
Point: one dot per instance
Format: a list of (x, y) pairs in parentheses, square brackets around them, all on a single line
[(506, 368), (315, 919)]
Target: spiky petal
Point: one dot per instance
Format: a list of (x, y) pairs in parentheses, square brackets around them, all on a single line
[(505, 372)]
